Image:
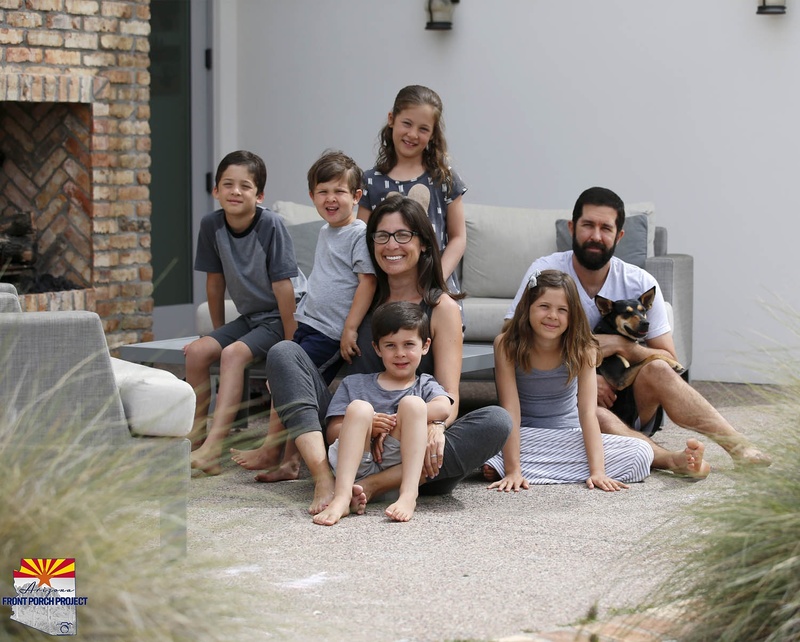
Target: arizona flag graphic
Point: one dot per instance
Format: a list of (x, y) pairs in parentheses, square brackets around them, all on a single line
[(48, 586), (46, 570)]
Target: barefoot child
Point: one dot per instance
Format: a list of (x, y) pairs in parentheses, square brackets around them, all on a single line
[(545, 375), (413, 161), (340, 291), (245, 249), (383, 418)]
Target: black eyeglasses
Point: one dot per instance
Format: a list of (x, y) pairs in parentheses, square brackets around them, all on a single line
[(401, 236)]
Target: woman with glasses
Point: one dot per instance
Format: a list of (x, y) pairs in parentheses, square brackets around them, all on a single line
[(403, 247)]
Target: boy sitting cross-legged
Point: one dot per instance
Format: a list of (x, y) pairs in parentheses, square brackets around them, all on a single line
[(401, 336)]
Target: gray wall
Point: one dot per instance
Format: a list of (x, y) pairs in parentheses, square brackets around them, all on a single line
[(691, 105)]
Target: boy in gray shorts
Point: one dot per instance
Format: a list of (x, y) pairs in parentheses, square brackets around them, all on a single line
[(408, 403), (247, 250)]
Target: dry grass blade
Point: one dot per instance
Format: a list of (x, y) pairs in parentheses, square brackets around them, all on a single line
[(63, 499), (741, 572)]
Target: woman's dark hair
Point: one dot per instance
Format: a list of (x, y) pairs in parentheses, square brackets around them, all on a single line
[(430, 279)]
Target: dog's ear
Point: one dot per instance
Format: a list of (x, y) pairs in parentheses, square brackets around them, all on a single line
[(604, 305), (647, 298)]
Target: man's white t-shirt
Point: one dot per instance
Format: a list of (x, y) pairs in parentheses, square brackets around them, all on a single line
[(624, 281)]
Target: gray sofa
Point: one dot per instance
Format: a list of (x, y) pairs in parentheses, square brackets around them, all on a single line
[(67, 403), (502, 242)]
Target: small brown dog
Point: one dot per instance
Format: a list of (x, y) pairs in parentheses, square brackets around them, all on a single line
[(627, 318)]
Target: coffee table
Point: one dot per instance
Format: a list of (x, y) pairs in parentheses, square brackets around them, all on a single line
[(476, 356)]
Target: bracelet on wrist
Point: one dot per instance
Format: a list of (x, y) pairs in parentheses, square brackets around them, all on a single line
[(440, 422)]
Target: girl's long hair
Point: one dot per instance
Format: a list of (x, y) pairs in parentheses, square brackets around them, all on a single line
[(579, 348), (430, 279), (434, 157)]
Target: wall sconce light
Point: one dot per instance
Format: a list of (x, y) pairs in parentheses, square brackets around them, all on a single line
[(771, 7), (440, 14)]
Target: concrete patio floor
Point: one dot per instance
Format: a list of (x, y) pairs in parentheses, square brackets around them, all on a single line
[(474, 565)]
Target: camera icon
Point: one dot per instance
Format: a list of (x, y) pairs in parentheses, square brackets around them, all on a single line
[(65, 627)]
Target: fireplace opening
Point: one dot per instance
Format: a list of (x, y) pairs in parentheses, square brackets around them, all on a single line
[(20, 263), (45, 196)]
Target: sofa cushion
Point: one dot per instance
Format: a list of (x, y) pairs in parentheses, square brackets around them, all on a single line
[(502, 242), (304, 238), (484, 317), (156, 402), (202, 319), (295, 213), (633, 248)]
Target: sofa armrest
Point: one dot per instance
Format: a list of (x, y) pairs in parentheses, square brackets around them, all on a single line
[(9, 302), (675, 276), (56, 376)]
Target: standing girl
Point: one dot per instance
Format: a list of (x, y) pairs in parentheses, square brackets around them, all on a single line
[(413, 161), (545, 373)]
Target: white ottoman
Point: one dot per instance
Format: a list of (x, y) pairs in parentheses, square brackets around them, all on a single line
[(156, 402)]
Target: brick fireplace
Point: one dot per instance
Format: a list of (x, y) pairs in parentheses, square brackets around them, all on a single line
[(74, 133)]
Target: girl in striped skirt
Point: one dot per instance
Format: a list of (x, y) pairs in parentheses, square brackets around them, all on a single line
[(545, 374)]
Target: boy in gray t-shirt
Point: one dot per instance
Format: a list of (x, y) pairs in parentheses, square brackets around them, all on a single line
[(342, 284), (247, 250), (383, 418), (341, 287)]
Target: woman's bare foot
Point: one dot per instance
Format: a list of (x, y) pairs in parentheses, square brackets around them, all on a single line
[(690, 462), (287, 471), (490, 474), (197, 438), (339, 508), (256, 459), (402, 510), (323, 496), (358, 502), (748, 455), (204, 460)]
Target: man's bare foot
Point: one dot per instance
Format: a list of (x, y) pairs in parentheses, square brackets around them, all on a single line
[(206, 462), (287, 471), (402, 510), (689, 462), (489, 473), (339, 508), (695, 466), (323, 496), (256, 459), (746, 455)]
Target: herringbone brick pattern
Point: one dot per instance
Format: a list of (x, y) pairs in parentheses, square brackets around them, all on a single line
[(47, 171)]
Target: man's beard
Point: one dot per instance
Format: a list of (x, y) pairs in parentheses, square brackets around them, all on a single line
[(594, 260)]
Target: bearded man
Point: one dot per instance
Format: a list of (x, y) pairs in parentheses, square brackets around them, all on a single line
[(637, 411)]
